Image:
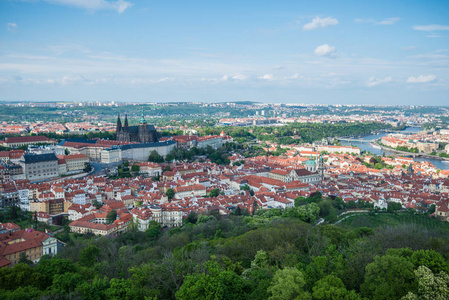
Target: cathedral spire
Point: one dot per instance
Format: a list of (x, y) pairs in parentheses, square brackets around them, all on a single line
[(126, 122), (119, 124), (142, 118)]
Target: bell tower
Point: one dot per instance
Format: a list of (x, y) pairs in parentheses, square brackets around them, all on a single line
[(144, 136)]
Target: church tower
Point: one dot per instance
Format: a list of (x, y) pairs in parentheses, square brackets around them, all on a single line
[(144, 136), (119, 125), (321, 167), (125, 130)]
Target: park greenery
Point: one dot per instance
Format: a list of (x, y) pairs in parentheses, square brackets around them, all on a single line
[(295, 133), (272, 254), (218, 156), (407, 149), (377, 163)]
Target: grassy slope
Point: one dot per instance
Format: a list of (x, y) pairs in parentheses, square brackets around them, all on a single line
[(384, 219)]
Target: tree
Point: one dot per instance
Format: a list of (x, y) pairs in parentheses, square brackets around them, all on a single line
[(155, 157), (213, 284), (23, 258), (331, 287), (170, 193), (388, 277), (87, 168), (394, 206), (89, 255), (66, 151), (13, 212), (135, 168), (300, 200), (214, 192), (169, 157), (67, 282), (48, 268), (95, 289), (96, 203), (245, 187), (430, 259), (308, 213), (288, 284), (154, 230), (430, 286), (121, 289), (191, 218), (111, 216)]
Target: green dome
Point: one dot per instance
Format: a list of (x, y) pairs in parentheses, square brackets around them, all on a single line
[(310, 162), (142, 118)]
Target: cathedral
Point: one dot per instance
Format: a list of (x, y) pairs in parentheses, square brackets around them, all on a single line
[(142, 133)]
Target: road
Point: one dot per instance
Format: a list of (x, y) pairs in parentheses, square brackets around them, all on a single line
[(103, 168)]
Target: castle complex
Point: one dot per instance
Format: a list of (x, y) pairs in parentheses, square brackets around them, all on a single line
[(142, 133)]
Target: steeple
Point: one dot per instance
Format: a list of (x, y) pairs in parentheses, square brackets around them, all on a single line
[(126, 123), (119, 124), (142, 118)]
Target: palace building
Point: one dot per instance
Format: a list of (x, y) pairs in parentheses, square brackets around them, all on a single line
[(142, 133)]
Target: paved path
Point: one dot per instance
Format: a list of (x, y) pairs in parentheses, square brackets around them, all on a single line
[(321, 221), (347, 212)]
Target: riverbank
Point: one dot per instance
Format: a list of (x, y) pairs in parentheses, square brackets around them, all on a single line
[(375, 149), (423, 155)]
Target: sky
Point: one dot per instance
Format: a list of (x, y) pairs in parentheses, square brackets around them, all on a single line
[(325, 52)]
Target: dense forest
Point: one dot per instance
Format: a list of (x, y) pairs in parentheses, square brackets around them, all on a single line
[(274, 254)]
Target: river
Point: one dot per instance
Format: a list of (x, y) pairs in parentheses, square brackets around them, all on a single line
[(439, 164)]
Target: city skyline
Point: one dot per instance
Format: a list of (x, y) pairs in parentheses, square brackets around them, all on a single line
[(295, 52)]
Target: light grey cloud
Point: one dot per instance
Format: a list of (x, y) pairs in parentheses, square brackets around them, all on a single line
[(11, 26), (421, 79), (325, 50), (433, 27), (372, 81), (266, 77), (320, 23), (386, 21), (93, 5)]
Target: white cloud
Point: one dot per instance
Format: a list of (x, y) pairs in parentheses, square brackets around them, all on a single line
[(325, 50), (11, 26), (388, 21), (266, 77), (94, 5), (320, 23), (373, 81), (239, 77), (433, 27), (421, 79)]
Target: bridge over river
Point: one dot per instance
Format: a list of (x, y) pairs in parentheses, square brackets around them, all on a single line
[(356, 140), (375, 144)]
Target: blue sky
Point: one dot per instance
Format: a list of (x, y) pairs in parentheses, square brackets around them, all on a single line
[(330, 52)]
